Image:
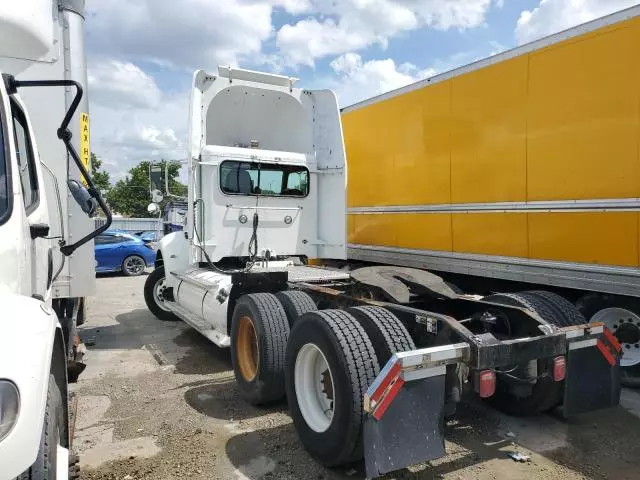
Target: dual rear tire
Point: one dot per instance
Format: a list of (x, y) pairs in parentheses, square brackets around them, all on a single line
[(545, 393), (324, 361)]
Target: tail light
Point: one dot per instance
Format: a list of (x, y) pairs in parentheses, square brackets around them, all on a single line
[(559, 368), (487, 383)]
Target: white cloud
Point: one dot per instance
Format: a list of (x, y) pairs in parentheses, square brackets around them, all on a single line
[(357, 79), (181, 33), (122, 137), (116, 83), (553, 16), (350, 25)]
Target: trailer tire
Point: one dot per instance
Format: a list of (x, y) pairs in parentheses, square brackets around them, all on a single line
[(387, 334), (568, 313), (546, 393), (259, 334), (46, 464), (296, 304), (153, 288), (351, 366)]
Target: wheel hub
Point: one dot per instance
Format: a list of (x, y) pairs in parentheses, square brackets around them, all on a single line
[(625, 325), (158, 293), (314, 387), (247, 349)]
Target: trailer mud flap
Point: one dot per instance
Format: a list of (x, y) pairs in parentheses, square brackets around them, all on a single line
[(593, 371), (404, 424)]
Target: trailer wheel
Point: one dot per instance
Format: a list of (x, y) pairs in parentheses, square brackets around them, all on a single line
[(387, 334), (296, 304), (259, 333), (567, 313), (46, 465), (330, 364), (622, 317), (154, 288), (545, 393)]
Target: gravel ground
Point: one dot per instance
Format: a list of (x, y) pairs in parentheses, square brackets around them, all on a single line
[(158, 401)]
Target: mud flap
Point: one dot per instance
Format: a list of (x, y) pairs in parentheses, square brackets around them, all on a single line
[(593, 372), (404, 407), (410, 431)]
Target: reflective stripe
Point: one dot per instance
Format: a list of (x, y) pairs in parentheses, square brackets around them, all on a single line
[(606, 353), (612, 340)]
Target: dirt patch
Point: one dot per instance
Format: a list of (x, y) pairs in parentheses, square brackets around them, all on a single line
[(163, 388)]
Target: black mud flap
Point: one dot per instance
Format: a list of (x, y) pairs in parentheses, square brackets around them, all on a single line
[(410, 429), (593, 374)]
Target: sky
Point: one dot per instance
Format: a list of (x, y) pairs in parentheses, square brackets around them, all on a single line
[(141, 53)]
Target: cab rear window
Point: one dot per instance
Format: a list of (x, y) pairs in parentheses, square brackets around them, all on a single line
[(265, 179)]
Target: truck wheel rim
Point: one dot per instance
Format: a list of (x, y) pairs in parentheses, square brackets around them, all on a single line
[(625, 325), (314, 388), (134, 265), (247, 349), (158, 294)]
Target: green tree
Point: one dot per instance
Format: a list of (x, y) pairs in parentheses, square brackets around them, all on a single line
[(130, 196), (100, 177)]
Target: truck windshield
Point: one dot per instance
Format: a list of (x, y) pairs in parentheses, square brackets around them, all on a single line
[(267, 179)]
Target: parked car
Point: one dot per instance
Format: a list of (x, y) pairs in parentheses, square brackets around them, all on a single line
[(150, 237), (120, 251)]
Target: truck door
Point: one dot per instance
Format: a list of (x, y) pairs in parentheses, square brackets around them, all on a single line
[(37, 250)]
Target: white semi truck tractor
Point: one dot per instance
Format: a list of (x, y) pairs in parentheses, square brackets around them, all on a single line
[(370, 360), (46, 257)]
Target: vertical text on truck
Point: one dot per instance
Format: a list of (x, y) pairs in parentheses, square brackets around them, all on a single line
[(521, 171), (46, 235), (371, 359)]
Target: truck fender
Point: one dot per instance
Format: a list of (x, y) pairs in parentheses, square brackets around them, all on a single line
[(173, 252), (30, 338)]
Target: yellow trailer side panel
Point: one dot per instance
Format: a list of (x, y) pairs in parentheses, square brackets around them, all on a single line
[(584, 99), (404, 230), (586, 237), (491, 234), (392, 141), (488, 156), (555, 124)]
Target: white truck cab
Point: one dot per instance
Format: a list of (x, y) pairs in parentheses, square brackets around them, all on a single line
[(267, 182), (42, 232)]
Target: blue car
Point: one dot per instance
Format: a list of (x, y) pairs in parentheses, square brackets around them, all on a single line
[(118, 251)]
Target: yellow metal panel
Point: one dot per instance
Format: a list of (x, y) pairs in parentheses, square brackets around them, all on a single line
[(490, 233), (351, 228), (375, 229), (584, 118), (488, 159), (423, 231), (607, 238), (398, 150)]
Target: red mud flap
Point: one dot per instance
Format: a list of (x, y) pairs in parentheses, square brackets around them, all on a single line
[(405, 419), (593, 370)]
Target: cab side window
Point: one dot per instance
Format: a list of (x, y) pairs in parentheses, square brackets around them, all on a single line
[(26, 160)]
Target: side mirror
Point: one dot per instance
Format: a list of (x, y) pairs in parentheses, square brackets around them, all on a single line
[(153, 208), (82, 197)]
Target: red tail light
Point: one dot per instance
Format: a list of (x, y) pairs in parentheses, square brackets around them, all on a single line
[(487, 382), (559, 368)]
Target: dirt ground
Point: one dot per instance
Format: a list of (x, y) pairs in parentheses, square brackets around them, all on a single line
[(158, 401)]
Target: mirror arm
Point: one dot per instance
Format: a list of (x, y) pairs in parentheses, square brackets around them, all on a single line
[(65, 135)]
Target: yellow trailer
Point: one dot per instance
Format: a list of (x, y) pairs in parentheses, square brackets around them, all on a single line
[(523, 167)]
